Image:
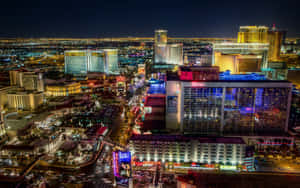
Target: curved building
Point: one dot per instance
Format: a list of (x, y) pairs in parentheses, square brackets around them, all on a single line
[(63, 89)]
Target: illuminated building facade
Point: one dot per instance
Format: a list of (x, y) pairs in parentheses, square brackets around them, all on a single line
[(253, 34), (275, 38), (228, 107), (25, 100), (240, 57), (198, 73), (256, 48), (122, 167), (168, 54), (165, 53), (120, 86), (295, 110), (3, 95), (63, 89), (111, 61), (84, 61), (161, 36), (76, 62), (187, 152), (27, 80)]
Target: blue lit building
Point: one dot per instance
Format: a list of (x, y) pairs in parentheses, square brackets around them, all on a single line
[(234, 105), (295, 110)]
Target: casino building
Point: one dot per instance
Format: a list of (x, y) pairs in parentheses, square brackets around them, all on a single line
[(188, 152), (83, 61), (199, 104), (63, 89)]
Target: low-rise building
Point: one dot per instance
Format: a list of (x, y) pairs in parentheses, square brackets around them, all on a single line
[(192, 152), (64, 89), (25, 100)]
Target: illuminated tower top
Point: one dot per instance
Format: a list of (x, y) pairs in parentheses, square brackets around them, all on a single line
[(161, 36), (253, 34)]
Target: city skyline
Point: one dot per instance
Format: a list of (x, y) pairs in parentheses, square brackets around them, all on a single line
[(93, 19)]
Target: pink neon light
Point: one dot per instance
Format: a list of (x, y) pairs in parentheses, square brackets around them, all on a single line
[(186, 75)]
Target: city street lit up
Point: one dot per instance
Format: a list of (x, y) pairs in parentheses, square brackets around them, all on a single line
[(149, 94)]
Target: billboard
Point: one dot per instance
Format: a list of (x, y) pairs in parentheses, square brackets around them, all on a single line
[(122, 167)]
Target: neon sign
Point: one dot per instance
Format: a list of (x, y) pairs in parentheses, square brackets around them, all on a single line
[(124, 157)]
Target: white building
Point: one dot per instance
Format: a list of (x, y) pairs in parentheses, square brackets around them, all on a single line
[(165, 53), (188, 149), (168, 54)]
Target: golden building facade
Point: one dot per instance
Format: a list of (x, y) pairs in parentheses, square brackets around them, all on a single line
[(275, 41), (25, 100), (253, 34), (240, 57), (63, 90)]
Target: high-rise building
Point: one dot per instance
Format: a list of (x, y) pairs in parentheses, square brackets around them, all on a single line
[(228, 107), (111, 65), (168, 54), (84, 61), (253, 34), (161, 36), (295, 110), (240, 57), (275, 39), (164, 53), (262, 34), (76, 62), (30, 81), (96, 61)]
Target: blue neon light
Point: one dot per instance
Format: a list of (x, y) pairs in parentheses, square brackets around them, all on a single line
[(124, 157), (157, 88), (253, 76)]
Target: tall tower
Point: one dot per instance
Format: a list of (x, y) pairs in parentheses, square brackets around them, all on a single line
[(161, 36), (275, 38)]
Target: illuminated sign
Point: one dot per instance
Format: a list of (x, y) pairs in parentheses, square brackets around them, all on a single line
[(124, 156), (227, 167), (120, 78), (148, 110), (122, 167), (116, 163)]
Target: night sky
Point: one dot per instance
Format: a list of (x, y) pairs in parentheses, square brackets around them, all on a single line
[(87, 18)]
